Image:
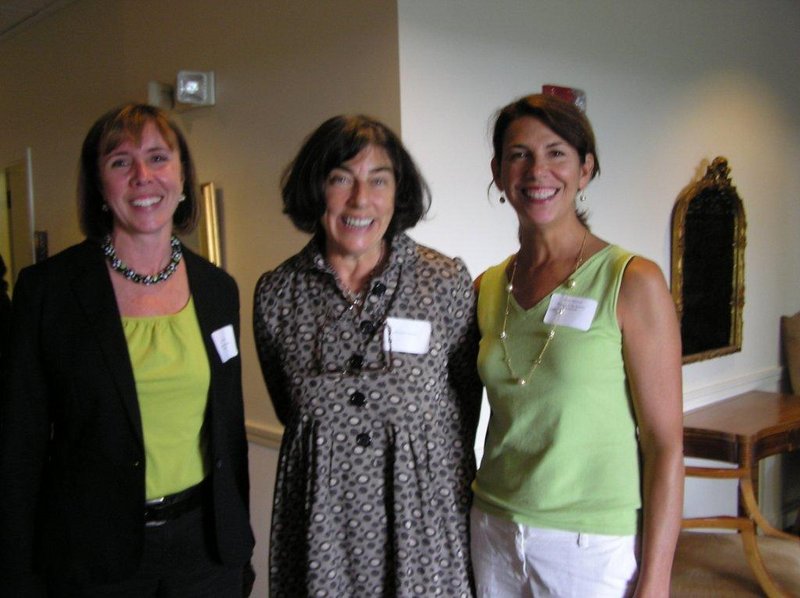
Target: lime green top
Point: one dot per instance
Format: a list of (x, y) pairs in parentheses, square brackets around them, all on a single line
[(172, 377), (561, 451)]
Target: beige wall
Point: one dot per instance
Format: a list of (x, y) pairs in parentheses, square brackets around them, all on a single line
[(282, 66)]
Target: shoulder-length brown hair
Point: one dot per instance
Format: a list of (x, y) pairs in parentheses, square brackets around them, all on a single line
[(105, 135), (564, 118), (334, 142)]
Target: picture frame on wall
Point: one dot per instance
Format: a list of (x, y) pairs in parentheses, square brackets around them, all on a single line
[(208, 227)]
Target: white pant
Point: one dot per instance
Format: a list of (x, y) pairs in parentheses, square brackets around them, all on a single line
[(511, 560)]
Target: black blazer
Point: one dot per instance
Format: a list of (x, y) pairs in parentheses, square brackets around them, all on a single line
[(72, 479)]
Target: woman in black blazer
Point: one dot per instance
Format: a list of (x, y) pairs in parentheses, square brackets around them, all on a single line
[(123, 457)]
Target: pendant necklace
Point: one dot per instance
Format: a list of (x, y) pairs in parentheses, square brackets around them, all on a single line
[(569, 283), (146, 279), (358, 299)]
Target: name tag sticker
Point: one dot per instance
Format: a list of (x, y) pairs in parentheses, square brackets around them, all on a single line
[(225, 342), (401, 335), (578, 312)]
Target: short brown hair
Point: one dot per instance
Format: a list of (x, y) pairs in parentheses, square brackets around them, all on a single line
[(105, 135)]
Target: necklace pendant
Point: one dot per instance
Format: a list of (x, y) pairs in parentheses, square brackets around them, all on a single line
[(521, 382)]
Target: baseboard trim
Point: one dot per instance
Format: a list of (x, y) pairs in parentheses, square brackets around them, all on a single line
[(767, 379)]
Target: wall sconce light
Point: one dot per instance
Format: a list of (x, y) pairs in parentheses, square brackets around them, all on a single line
[(195, 88)]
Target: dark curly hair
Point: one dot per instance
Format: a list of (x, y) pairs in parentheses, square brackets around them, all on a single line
[(110, 130), (334, 142)]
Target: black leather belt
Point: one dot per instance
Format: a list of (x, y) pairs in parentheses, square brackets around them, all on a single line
[(159, 511)]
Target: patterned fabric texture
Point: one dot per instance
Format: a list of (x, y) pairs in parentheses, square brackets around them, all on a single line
[(372, 495)]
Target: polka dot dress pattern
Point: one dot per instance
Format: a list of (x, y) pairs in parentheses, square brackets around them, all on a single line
[(372, 495)]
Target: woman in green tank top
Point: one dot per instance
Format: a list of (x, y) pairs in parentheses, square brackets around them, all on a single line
[(580, 489)]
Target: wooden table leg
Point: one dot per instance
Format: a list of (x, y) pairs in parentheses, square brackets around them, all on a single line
[(754, 513), (753, 556)]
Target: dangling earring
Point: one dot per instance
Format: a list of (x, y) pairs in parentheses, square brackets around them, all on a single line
[(104, 207), (502, 199), (582, 195), (181, 197)]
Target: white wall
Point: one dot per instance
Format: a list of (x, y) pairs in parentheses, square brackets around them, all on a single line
[(669, 84)]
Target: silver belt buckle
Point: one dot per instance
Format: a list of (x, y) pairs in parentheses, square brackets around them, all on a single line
[(152, 503)]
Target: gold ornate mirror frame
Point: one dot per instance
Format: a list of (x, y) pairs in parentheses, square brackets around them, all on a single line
[(708, 242)]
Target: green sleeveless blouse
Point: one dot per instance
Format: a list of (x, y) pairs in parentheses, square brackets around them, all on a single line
[(561, 451)]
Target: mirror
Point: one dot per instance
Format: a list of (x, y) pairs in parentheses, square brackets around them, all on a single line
[(708, 242)]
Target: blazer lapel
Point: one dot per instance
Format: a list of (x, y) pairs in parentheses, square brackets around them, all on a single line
[(202, 289), (92, 287)]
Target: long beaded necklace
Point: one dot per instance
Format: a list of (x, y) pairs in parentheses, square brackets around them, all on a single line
[(358, 304), (146, 279), (567, 284)]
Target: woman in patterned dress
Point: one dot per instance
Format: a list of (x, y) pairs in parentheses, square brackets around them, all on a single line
[(367, 343)]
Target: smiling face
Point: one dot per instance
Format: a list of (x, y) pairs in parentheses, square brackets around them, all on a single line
[(540, 173), (359, 204), (142, 182)]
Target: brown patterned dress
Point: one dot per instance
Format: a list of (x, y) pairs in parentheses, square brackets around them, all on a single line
[(372, 494)]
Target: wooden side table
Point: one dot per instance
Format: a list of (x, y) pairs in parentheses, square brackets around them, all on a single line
[(743, 430)]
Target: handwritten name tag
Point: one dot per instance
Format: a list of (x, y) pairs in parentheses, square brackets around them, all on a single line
[(225, 342), (575, 312), (401, 335)]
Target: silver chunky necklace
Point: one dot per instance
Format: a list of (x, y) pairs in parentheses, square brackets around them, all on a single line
[(146, 279), (569, 283)]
